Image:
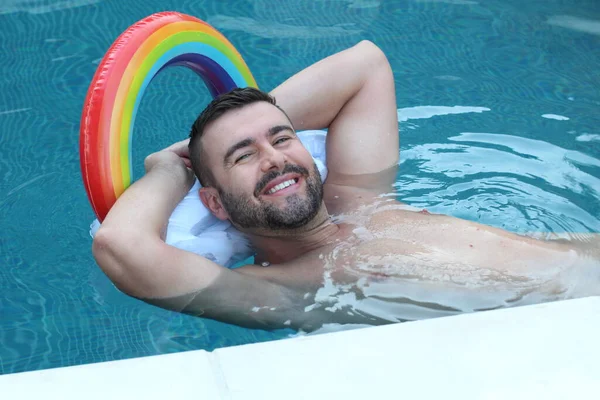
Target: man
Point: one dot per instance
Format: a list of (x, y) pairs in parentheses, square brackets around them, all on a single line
[(339, 252)]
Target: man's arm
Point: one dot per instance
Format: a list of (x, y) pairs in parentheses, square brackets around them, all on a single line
[(130, 250), (129, 246), (351, 93)]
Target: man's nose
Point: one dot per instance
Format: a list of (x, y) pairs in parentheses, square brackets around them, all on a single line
[(272, 159)]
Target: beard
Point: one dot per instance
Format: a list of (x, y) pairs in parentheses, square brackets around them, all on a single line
[(297, 212)]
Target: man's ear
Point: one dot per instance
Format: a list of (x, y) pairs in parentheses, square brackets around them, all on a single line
[(211, 200)]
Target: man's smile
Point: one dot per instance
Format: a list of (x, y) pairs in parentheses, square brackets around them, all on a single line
[(282, 185), (284, 188), (281, 182)]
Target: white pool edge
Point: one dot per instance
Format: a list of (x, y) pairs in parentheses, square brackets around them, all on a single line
[(548, 351)]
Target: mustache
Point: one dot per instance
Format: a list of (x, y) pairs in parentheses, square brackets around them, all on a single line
[(269, 176)]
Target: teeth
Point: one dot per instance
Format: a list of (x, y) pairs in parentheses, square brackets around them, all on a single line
[(282, 185)]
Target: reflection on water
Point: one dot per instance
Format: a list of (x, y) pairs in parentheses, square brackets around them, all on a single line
[(587, 137), (457, 2), (556, 117), (513, 182), (274, 29), (421, 112), (41, 7), (576, 23)]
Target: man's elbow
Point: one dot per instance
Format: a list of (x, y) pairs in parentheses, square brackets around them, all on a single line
[(371, 53), (107, 249), (101, 246)]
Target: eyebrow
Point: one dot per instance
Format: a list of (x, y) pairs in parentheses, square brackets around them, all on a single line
[(250, 141)]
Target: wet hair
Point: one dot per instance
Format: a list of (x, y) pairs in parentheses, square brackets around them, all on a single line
[(237, 98)]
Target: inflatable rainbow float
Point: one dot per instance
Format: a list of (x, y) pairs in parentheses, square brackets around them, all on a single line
[(159, 41)]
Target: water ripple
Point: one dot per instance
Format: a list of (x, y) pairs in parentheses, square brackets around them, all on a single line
[(576, 23), (422, 112), (272, 30), (509, 181), (41, 7), (588, 137), (16, 110)]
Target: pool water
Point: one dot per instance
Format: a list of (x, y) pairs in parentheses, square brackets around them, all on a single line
[(498, 102)]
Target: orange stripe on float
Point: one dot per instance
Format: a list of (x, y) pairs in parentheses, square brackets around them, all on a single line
[(115, 63), (132, 68)]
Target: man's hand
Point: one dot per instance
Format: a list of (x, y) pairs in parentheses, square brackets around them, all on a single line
[(129, 245), (146, 205), (174, 154)]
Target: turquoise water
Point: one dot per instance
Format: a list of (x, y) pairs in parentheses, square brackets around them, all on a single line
[(498, 102)]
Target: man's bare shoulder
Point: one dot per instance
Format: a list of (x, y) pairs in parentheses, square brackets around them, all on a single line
[(347, 193)]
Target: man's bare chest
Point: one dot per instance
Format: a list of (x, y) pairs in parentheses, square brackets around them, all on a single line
[(397, 246)]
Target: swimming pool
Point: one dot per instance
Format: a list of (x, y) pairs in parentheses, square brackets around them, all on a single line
[(497, 101)]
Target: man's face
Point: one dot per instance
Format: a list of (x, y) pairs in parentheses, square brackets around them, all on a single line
[(266, 178)]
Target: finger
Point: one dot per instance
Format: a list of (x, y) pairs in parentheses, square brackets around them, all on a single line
[(180, 147)]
